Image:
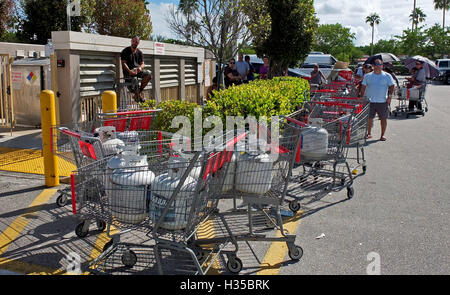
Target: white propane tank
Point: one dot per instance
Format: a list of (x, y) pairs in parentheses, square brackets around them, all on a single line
[(230, 168), (314, 143), (129, 137), (130, 188), (254, 173), (109, 141), (162, 189), (178, 165)]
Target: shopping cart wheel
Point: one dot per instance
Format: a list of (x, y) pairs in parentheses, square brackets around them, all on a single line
[(295, 252), (350, 192), (234, 265), (129, 258), (61, 200), (79, 230), (101, 225), (294, 206), (426, 109), (364, 168)]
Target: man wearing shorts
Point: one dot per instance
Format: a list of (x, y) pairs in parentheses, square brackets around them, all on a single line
[(378, 87), (133, 65)]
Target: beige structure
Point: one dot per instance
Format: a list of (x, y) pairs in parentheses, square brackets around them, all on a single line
[(29, 78), (92, 65), (20, 50)]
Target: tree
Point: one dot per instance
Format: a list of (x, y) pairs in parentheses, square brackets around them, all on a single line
[(218, 25), (6, 13), (373, 19), (334, 39), (122, 18), (44, 16), (412, 42), (291, 35), (444, 5), (417, 16), (437, 41), (390, 46)]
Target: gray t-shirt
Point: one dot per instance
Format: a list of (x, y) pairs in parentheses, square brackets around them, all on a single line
[(421, 76), (242, 67)]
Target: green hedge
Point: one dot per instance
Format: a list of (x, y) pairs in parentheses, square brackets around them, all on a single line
[(278, 96)]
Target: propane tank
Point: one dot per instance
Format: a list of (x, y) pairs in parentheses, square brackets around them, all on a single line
[(109, 141), (162, 189), (130, 189), (314, 143), (254, 173)]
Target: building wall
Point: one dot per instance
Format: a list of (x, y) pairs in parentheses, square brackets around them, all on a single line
[(177, 73)]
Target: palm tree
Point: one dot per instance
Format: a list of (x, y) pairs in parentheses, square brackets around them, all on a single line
[(417, 16), (444, 5), (373, 19)]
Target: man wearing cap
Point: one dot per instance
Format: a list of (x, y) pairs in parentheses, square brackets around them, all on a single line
[(317, 75), (378, 87)]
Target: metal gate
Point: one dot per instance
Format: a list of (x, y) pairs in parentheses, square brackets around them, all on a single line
[(6, 93)]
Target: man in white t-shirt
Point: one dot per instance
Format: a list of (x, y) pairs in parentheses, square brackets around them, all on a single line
[(378, 87)]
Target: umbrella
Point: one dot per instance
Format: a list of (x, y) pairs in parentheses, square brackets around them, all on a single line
[(431, 69), (385, 57)]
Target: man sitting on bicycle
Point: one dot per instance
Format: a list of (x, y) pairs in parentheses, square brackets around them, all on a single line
[(133, 67)]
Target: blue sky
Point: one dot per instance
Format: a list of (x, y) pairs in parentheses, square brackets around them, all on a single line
[(394, 16)]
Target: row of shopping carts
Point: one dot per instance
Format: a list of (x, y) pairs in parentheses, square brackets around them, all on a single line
[(131, 178)]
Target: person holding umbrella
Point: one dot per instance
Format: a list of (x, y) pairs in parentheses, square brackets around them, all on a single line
[(378, 87), (420, 82)]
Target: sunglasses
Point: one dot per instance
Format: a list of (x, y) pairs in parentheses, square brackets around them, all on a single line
[(232, 63), (378, 64)]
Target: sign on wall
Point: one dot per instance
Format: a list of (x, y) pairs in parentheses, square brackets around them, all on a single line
[(159, 48)]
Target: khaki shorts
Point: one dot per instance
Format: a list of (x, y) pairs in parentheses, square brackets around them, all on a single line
[(382, 109)]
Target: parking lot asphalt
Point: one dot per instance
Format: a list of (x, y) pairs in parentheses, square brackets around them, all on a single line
[(396, 223)]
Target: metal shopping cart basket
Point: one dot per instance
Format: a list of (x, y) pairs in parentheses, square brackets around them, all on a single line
[(258, 177)]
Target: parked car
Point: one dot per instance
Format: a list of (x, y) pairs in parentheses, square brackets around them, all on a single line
[(444, 70), (257, 62), (325, 62)]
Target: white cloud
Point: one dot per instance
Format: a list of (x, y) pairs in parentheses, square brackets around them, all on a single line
[(394, 16), (158, 13)]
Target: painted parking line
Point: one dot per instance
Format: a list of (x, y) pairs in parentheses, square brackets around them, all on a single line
[(30, 161), (10, 234), (276, 254), (206, 231)]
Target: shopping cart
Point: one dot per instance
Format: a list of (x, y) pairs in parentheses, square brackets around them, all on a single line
[(258, 177), (167, 194), (323, 152)]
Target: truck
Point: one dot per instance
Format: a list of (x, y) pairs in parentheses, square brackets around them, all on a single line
[(325, 62), (443, 66)]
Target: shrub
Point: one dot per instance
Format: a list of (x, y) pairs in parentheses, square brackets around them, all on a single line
[(278, 96)]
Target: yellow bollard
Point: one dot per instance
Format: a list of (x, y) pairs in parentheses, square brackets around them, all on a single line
[(109, 102), (48, 122)]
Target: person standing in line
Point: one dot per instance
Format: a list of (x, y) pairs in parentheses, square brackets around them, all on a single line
[(133, 65), (264, 69), (242, 67), (232, 76), (250, 76), (317, 75), (378, 87), (420, 82)]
